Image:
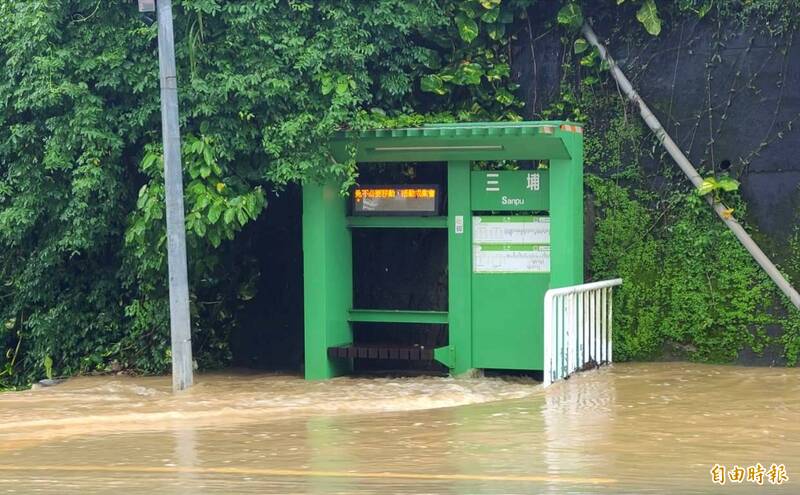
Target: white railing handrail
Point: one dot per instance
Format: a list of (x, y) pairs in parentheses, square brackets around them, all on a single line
[(575, 289), (577, 326)]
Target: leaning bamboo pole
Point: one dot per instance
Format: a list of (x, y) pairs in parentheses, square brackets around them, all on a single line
[(722, 211)]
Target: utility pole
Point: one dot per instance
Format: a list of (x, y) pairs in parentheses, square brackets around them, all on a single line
[(180, 325)]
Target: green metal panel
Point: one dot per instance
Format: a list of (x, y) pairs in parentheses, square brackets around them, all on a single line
[(398, 222), (428, 149), (456, 142), (566, 215), (328, 279), (459, 254), (508, 320), (506, 127), (462, 129), (398, 316), (508, 289), (514, 190)]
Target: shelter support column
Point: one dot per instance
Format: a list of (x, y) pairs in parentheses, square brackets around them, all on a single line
[(566, 215), (459, 250), (328, 275)]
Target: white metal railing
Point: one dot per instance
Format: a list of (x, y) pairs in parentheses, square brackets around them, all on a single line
[(577, 328)]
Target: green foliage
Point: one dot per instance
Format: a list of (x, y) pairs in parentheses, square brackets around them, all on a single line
[(432, 83), (263, 84), (648, 16), (790, 339), (690, 289), (775, 17), (470, 61), (716, 185), (570, 15), (48, 367), (63, 178), (217, 202), (467, 27), (624, 140), (698, 7)]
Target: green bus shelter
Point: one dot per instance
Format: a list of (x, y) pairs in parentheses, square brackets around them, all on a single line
[(511, 236)]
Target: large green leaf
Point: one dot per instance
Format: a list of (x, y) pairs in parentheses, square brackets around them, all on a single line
[(496, 31), (490, 15), (327, 84), (430, 59), (229, 216), (202, 201), (200, 228), (468, 74), (580, 45), (648, 16), (48, 367), (467, 28), (215, 211), (469, 9), (704, 9), (589, 59), (498, 72), (709, 184), (432, 84), (570, 15), (728, 184), (504, 97)]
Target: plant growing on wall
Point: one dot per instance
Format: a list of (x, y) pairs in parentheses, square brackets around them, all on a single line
[(653, 234), (263, 85)]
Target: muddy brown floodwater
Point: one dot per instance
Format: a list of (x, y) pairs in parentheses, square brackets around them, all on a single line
[(629, 428)]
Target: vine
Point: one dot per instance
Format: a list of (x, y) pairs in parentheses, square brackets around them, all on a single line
[(694, 292), (263, 87)]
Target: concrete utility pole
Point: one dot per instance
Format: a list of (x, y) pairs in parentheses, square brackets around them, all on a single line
[(180, 325)]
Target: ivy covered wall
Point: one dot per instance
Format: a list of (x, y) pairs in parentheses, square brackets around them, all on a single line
[(721, 82), (264, 84)]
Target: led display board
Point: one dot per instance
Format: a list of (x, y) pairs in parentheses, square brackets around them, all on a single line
[(412, 200)]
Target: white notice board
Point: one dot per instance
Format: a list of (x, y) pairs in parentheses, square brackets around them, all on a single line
[(510, 230), (513, 258), (511, 244)]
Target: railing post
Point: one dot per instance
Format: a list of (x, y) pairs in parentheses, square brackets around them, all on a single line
[(590, 335), (610, 324), (603, 328), (559, 309), (596, 296), (586, 336), (548, 345)]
